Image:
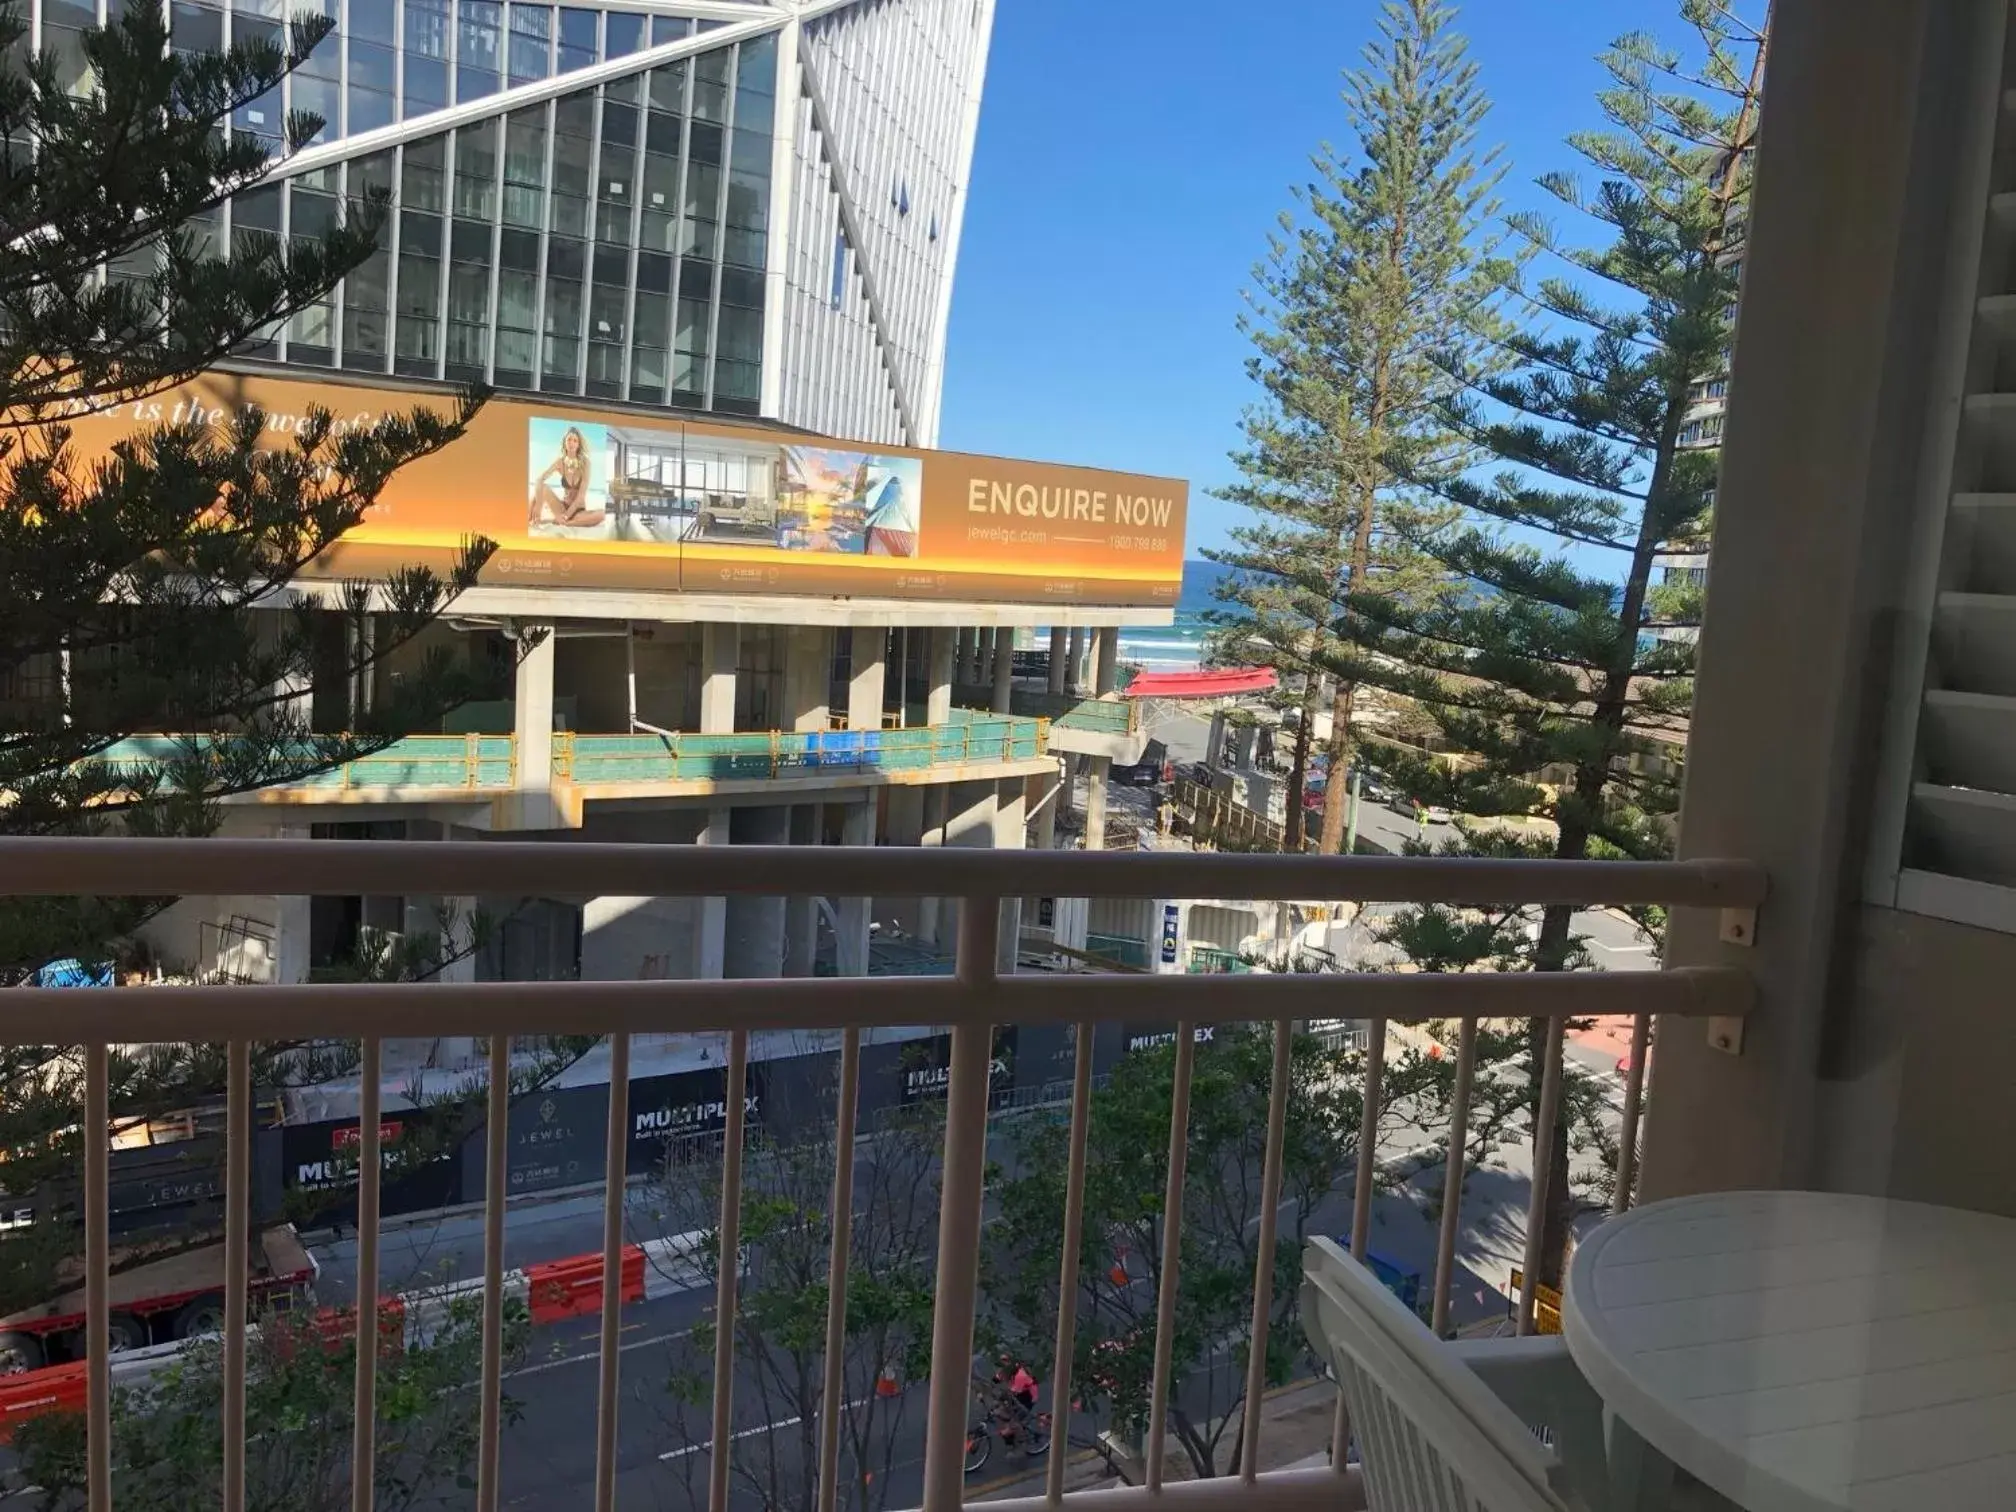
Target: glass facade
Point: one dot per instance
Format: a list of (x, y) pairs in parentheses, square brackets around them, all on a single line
[(609, 242)]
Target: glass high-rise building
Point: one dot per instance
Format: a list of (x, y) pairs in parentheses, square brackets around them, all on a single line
[(727, 205)]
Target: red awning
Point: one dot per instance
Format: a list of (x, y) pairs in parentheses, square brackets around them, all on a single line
[(1201, 684)]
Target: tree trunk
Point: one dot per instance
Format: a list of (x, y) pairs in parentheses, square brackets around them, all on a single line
[(1292, 829), (1336, 800)]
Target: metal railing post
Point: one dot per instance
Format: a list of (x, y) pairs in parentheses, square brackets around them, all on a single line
[(364, 1388), (97, 1277), (1543, 1169), (964, 1174), (1452, 1180), (613, 1189), (1263, 1265), (237, 1220)]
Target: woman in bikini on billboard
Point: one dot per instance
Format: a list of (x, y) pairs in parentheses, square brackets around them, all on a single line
[(569, 505)]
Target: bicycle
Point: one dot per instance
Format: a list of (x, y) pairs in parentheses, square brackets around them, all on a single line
[(1031, 1432)]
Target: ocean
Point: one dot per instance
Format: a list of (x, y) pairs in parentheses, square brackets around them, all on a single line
[(1178, 647)]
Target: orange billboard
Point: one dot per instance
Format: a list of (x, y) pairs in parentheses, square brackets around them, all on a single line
[(580, 496)]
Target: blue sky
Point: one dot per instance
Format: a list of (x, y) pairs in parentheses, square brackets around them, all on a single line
[(1131, 160)]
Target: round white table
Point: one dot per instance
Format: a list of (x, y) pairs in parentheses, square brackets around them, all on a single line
[(1809, 1352)]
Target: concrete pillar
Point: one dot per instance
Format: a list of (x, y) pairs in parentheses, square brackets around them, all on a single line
[(963, 657), (983, 660), (801, 914), (1245, 740), (808, 677), (710, 923), (938, 700), (1048, 795), (933, 920), (753, 939), (1083, 674), (1011, 831), (1095, 802), (1004, 669), (293, 928), (532, 724), (853, 914), (720, 647), (970, 813), (1876, 1058), (903, 824), (1074, 659), (1107, 675), (1214, 743), (1060, 652), (867, 677)]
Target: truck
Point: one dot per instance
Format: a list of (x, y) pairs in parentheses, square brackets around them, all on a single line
[(178, 1296)]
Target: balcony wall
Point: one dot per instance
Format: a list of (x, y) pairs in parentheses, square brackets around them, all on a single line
[(438, 769)]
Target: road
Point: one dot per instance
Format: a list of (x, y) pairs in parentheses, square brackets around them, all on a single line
[(662, 1458)]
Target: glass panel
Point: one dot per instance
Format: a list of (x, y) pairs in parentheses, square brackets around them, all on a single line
[(741, 381), (561, 369), (318, 97), (691, 332), (710, 85), (653, 311), (704, 144), (371, 21), (255, 221), (364, 339), (469, 294), (419, 345), (668, 87), (647, 369), (669, 29), (687, 379), (312, 215), (517, 351), (563, 307), (577, 38), (531, 43), (740, 335), (371, 176), (420, 232), (605, 314), (757, 67), (421, 185), (518, 249), (659, 231), (426, 85), (625, 34), (419, 286), (372, 67), (741, 287), (517, 300), (365, 287), (312, 333), (476, 35), (369, 110), (476, 171), (195, 28), (426, 30)]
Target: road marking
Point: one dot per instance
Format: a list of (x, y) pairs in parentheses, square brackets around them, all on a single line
[(790, 1422), (580, 1359)]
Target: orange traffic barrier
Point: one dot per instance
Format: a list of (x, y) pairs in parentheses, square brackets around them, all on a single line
[(337, 1326), (54, 1388), (567, 1288)]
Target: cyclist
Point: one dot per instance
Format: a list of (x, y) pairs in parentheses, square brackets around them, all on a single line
[(1018, 1395)]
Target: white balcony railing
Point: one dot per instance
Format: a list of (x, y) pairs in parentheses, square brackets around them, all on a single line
[(971, 1003)]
